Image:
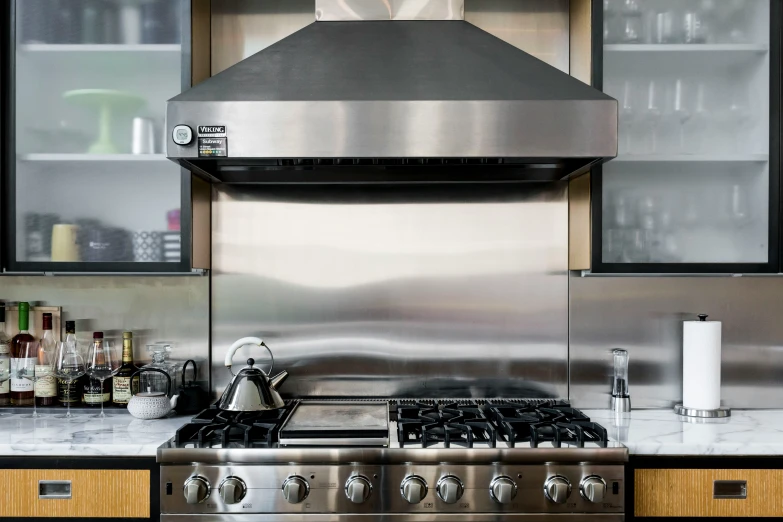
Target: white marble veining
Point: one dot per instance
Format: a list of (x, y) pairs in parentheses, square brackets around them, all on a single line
[(662, 432), (120, 435)]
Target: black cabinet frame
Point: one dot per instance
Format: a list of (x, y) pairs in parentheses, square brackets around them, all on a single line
[(8, 217), (775, 240)]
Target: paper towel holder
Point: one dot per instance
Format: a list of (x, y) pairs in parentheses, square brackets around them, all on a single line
[(679, 409)]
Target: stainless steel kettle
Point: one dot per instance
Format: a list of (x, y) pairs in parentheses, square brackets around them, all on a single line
[(251, 389)]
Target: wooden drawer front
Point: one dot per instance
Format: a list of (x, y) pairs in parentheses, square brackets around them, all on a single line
[(94, 493), (689, 493)]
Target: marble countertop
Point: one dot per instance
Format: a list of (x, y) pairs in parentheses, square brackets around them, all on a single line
[(120, 435), (644, 432), (662, 432)]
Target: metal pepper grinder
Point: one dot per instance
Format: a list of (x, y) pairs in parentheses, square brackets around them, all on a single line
[(621, 399)]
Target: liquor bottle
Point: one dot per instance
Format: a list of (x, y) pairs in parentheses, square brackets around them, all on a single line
[(45, 384), (122, 388), (93, 394), (22, 393), (70, 392), (5, 360)]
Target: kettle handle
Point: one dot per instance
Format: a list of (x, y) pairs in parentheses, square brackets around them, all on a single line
[(143, 370), (244, 342), (184, 369)]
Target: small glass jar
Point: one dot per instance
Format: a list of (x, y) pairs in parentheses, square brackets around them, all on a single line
[(155, 382)]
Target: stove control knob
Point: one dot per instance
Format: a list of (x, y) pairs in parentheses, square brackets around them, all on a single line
[(358, 489), (196, 490), (593, 489), (503, 490), (450, 489), (413, 489), (295, 489), (232, 490), (557, 489)]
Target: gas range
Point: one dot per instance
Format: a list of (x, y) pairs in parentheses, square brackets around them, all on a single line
[(394, 460)]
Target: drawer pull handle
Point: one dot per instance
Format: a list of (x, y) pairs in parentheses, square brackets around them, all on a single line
[(736, 489), (54, 489)]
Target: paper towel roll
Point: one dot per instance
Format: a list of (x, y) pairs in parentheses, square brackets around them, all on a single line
[(701, 364)]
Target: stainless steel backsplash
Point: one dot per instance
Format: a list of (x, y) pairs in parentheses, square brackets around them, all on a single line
[(644, 315), (412, 291)]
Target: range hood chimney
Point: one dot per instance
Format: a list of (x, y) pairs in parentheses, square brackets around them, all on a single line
[(391, 91)]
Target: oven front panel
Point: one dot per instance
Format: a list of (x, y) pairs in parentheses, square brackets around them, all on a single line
[(433, 517), (326, 489)]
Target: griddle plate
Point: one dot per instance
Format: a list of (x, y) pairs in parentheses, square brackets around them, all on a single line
[(328, 421)]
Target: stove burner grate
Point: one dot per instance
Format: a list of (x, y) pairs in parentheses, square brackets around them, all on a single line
[(218, 428), (556, 422), (460, 424)]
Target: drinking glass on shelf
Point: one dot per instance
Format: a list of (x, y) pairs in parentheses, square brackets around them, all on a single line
[(627, 118), (697, 125), (694, 28), (674, 119), (664, 28), (734, 119), (25, 368), (650, 118), (631, 26), (102, 362), (739, 204), (68, 365)]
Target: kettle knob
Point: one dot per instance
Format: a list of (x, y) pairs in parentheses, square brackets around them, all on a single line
[(251, 362)]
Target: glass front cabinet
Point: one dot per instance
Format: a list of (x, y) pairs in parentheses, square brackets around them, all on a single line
[(695, 186), (87, 185)]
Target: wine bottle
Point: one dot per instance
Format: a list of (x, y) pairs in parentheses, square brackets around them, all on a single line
[(70, 392), (122, 388), (93, 394), (22, 393), (45, 384), (5, 360)]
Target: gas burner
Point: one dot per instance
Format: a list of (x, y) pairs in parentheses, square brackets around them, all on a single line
[(214, 428), (461, 424), (556, 422)]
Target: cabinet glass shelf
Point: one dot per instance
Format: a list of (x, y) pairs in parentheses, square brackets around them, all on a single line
[(100, 48), (686, 48), (692, 158)]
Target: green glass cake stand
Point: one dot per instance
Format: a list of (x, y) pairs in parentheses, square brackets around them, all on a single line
[(108, 102)]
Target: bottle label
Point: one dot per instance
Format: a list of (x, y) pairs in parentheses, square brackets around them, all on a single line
[(45, 385), (5, 366), (96, 398), (21, 385), (122, 390), (5, 346), (68, 392)]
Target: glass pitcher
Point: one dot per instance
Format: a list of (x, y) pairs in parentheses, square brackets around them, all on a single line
[(155, 382)]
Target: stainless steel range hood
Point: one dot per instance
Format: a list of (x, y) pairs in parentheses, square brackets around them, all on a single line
[(394, 99)]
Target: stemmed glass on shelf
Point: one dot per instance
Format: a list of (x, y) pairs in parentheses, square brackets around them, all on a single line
[(102, 362), (68, 365)]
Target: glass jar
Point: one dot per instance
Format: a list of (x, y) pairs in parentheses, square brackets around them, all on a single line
[(155, 382)]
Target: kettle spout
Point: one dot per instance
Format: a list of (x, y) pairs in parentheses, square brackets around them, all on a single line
[(278, 379)]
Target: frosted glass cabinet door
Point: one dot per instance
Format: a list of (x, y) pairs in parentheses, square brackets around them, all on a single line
[(691, 188), (91, 182)]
